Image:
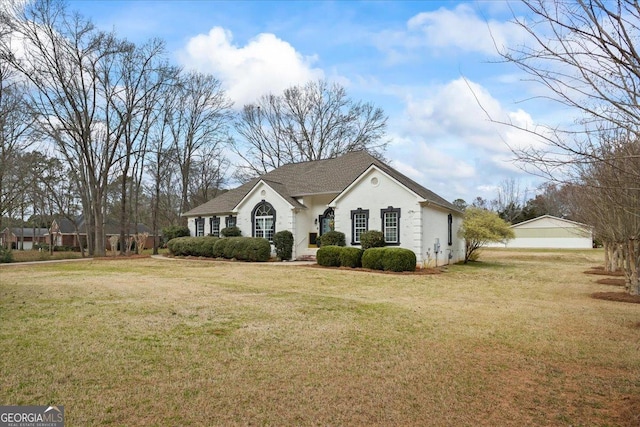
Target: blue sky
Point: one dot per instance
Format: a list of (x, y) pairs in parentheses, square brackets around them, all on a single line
[(426, 63)]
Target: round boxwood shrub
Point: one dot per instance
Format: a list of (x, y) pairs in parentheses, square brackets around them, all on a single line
[(178, 246), (389, 259), (206, 245), (371, 239), (219, 247), (329, 256), (173, 231), (372, 258), (232, 246), (254, 249), (398, 259), (351, 257), (231, 232), (332, 238), (283, 241)]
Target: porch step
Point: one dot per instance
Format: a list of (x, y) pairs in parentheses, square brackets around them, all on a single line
[(306, 258)]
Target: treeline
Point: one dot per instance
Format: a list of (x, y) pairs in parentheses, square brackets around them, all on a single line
[(91, 123)]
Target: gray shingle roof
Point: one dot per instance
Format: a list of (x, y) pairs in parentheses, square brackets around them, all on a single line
[(329, 176)]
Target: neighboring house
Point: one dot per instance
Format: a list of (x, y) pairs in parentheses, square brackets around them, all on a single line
[(352, 194), (64, 232), (551, 232), (22, 238)]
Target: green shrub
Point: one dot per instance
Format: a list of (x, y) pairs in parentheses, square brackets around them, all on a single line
[(372, 258), (398, 259), (178, 246), (254, 249), (371, 239), (389, 259), (329, 256), (174, 231), (231, 232), (206, 245), (332, 238), (351, 257), (6, 255), (283, 241), (219, 247), (231, 248)]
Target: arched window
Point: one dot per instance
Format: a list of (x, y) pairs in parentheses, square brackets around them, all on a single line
[(327, 221), (264, 220)]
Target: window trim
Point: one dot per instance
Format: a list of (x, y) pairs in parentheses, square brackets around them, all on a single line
[(214, 220), (383, 225), (253, 219), (229, 218), (358, 211), (199, 222)]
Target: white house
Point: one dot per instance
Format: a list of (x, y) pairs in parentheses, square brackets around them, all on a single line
[(551, 232), (352, 193)]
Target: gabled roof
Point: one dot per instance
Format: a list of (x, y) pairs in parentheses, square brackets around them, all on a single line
[(27, 231), (329, 176), (551, 217)]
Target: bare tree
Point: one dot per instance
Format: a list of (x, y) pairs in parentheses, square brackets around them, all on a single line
[(585, 54), (199, 121), (510, 200), (16, 123), (311, 122), (67, 62)]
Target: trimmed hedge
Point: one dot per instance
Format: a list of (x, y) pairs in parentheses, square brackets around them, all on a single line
[(283, 241), (329, 256), (372, 258), (371, 239), (173, 231), (351, 257), (192, 246), (339, 256), (240, 248), (389, 259), (332, 238), (231, 232)]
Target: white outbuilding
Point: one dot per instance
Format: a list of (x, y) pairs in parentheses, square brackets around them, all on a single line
[(551, 232)]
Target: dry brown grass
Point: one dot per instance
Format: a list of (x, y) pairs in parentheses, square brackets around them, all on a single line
[(515, 340)]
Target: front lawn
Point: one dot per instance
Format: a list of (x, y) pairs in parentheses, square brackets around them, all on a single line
[(515, 340)]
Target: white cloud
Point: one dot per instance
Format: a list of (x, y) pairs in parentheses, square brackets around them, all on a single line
[(265, 64), (447, 142), (462, 29), (458, 30)]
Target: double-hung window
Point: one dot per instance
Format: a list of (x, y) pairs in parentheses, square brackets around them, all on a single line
[(199, 226), (230, 221), (359, 224), (391, 225), (214, 226)]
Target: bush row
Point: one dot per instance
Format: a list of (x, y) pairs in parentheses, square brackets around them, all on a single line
[(387, 259), (240, 248)]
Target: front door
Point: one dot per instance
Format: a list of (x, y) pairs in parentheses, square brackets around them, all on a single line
[(326, 221)]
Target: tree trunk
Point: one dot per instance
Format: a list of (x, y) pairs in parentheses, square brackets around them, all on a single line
[(633, 264)]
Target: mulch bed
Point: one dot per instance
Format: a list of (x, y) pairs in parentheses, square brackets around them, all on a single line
[(617, 296), (612, 296), (612, 282), (600, 271)]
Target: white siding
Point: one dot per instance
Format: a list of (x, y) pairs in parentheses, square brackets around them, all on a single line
[(376, 191), (435, 228), (284, 211)]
